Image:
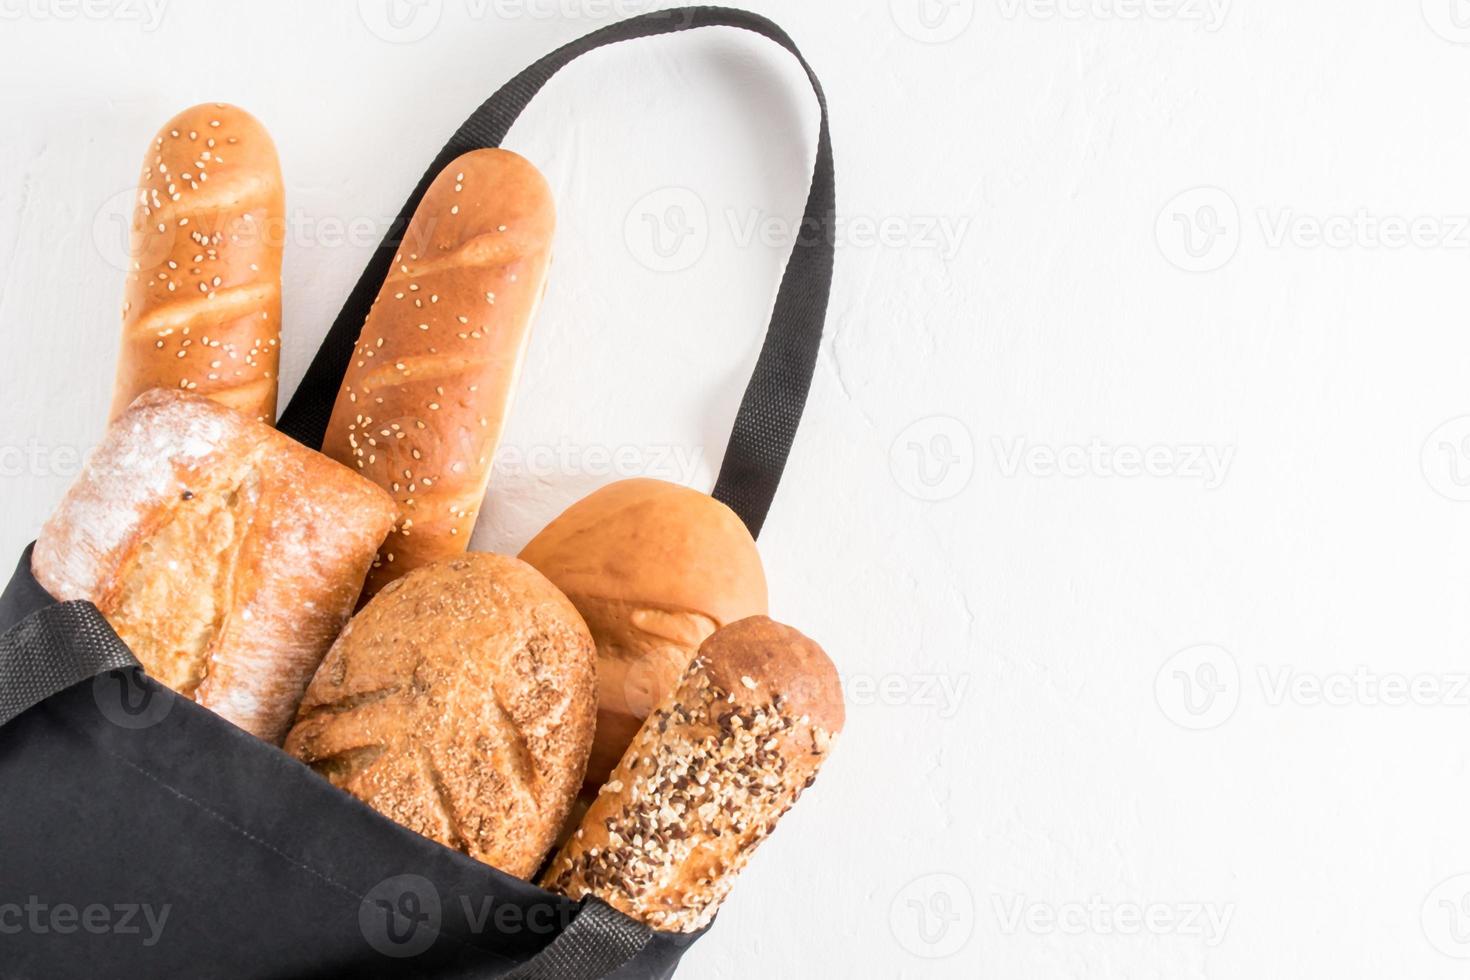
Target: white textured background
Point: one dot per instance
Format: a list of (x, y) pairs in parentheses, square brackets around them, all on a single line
[(1131, 494)]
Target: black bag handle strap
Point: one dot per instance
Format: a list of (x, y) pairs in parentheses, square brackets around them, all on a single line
[(48, 646), (596, 943), (771, 408), (53, 649)]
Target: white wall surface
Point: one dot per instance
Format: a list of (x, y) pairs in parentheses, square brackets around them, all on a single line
[(1132, 494)]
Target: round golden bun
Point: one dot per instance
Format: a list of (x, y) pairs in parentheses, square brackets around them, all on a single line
[(654, 568)]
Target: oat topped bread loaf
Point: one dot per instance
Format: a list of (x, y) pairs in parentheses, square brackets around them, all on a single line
[(706, 778), (459, 702)]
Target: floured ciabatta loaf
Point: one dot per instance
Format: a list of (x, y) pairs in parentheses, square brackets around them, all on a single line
[(654, 568), (226, 555), (706, 779), (460, 703)]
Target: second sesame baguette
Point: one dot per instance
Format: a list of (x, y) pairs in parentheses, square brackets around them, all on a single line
[(425, 397)]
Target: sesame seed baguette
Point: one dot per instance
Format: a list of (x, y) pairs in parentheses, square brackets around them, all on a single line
[(226, 555), (202, 309), (707, 778), (431, 380)]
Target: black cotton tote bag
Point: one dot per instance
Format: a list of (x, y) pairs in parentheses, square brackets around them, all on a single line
[(142, 836)]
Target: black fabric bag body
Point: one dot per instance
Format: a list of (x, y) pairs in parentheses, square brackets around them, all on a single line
[(142, 836)]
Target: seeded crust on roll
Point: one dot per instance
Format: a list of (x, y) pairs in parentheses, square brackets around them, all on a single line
[(654, 568), (202, 308), (425, 397), (706, 779), (459, 703), (226, 555)]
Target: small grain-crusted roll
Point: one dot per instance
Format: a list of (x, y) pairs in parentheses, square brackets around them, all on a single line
[(706, 779), (203, 300), (459, 702), (430, 383)]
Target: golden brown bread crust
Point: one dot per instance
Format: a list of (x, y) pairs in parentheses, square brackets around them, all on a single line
[(425, 398), (203, 300), (460, 703), (706, 779), (226, 555), (654, 568)]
